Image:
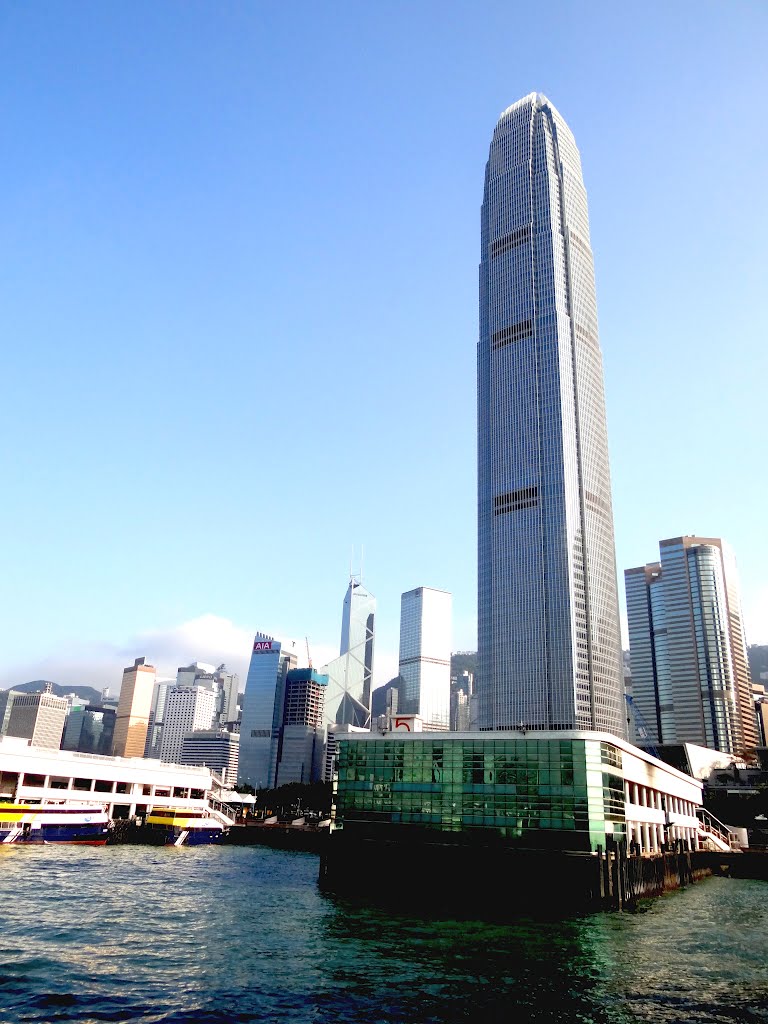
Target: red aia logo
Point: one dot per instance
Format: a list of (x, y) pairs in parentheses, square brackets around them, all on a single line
[(262, 645), (403, 723)]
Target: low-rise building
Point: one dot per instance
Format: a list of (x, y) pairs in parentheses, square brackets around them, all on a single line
[(126, 786), (572, 790)]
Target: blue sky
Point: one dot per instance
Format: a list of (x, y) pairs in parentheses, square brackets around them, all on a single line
[(239, 311)]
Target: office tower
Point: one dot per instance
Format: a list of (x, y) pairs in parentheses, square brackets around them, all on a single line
[(348, 697), (425, 656), (760, 698), (229, 683), (90, 729), (132, 717), (155, 720), (187, 709), (262, 704), (548, 622), (38, 717), (690, 676), (73, 726), (7, 698), (385, 700), (301, 741), (218, 749), (462, 689)]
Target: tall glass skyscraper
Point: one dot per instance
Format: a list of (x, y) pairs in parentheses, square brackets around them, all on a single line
[(348, 695), (690, 674), (549, 645), (425, 656), (262, 708)]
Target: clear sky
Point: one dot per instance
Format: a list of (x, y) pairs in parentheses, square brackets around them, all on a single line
[(239, 305)]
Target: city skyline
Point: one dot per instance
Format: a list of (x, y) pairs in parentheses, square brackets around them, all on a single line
[(549, 645), (163, 269)]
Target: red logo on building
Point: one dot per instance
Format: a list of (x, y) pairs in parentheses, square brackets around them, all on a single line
[(403, 723)]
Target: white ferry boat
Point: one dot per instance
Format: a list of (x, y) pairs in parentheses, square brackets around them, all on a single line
[(27, 823), (180, 827)]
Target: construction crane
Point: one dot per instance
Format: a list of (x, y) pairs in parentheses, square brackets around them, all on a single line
[(309, 656), (642, 731)]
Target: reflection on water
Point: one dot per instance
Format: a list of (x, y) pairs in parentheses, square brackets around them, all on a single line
[(242, 934)]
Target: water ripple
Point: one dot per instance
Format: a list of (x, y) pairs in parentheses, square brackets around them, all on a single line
[(209, 935)]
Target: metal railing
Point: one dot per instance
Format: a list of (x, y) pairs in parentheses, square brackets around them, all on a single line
[(712, 826)]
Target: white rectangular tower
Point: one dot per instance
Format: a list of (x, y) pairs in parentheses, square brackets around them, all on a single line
[(425, 655)]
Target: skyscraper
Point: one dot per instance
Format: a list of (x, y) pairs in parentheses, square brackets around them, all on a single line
[(348, 695), (262, 705), (548, 623), (690, 676), (187, 709), (132, 718), (39, 717), (216, 748), (301, 743), (425, 656)]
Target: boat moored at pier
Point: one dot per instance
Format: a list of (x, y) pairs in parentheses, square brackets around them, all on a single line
[(183, 827), (175, 804), (27, 823)]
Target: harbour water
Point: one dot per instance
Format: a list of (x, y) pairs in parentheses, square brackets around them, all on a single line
[(234, 934)]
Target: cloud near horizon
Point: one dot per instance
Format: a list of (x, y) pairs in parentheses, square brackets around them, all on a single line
[(209, 638)]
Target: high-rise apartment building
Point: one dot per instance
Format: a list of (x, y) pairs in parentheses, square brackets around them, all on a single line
[(187, 709), (690, 675), (132, 719), (425, 656), (548, 622), (38, 717), (262, 705), (348, 696)]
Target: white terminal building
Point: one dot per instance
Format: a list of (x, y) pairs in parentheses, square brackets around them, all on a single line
[(126, 786)]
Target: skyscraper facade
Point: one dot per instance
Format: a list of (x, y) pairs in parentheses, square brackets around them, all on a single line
[(39, 717), (348, 695), (690, 675), (262, 704), (216, 748), (425, 656), (132, 720), (548, 623), (187, 709), (301, 744)]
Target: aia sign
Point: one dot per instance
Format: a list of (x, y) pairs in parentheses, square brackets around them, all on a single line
[(262, 645)]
